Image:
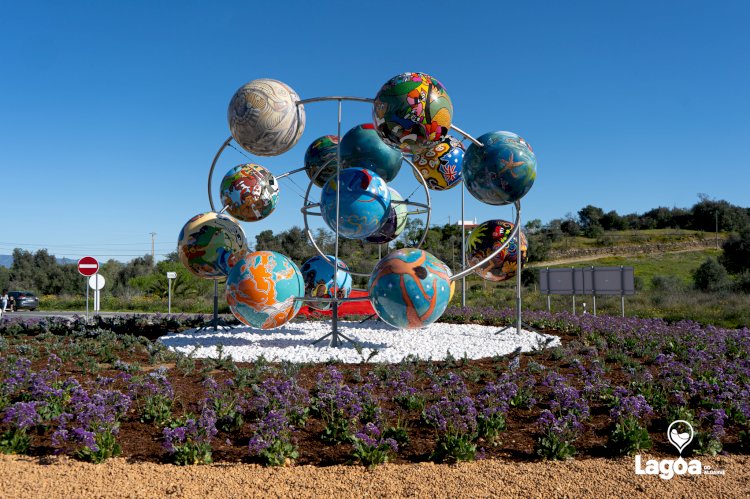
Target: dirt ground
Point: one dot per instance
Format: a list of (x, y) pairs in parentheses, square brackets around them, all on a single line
[(27, 477)]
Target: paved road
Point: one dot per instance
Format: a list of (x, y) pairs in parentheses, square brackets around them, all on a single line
[(64, 313)]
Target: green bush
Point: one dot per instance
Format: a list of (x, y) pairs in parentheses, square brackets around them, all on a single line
[(711, 276)]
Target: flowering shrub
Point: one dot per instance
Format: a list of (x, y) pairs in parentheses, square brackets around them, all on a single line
[(21, 416), (281, 395), (89, 427), (226, 403), (630, 434), (337, 404), (492, 403), (371, 447), (188, 440), (454, 417), (273, 440), (153, 396), (557, 435)]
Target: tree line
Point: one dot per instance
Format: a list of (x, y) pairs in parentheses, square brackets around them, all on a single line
[(39, 271)]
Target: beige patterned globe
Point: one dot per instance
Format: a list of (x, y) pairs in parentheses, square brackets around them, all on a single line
[(264, 117)]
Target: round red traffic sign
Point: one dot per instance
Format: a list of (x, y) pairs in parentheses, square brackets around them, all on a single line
[(88, 266)]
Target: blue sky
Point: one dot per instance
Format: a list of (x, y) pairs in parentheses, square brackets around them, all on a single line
[(111, 112)]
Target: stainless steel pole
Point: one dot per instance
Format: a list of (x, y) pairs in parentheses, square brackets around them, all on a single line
[(463, 247), (86, 280), (518, 274), (169, 298)]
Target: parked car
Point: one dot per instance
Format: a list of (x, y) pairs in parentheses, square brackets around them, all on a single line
[(23, 299)]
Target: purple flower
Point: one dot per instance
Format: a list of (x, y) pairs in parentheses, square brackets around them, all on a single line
[(23, 414)]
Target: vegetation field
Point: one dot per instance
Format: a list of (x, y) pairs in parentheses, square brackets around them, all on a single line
[(611, 389)]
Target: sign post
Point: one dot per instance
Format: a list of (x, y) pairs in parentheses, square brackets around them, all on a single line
[(96, 282), (87, 266), (170, 276)]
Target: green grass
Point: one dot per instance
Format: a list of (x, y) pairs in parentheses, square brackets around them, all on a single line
[(631, 237), (680, 265)]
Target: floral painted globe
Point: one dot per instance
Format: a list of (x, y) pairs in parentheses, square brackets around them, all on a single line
[(318, 275), (412, 111), (210, 243), (394, 224), (322, 154), (410, 288), (364, 201), (440, 165), (502, 171), (264, 117), (362, 147), (250, 192), (486, 238), (262, 287)]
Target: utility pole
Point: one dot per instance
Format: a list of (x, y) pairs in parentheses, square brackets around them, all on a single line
[(153, 259), (717, 229)]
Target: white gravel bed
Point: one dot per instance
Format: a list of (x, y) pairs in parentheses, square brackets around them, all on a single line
[(293, 342)]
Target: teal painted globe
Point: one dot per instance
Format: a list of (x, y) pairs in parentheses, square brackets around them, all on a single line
[(502, 171), (321, 154), (262, 287), (362, 147), (394, 224), (412, 111), (318, 275), (364, 202), (410, 288)]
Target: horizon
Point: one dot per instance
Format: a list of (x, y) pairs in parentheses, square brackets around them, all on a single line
[(112, 114)]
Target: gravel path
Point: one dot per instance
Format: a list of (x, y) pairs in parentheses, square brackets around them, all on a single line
[(23, 477), (293, 342)]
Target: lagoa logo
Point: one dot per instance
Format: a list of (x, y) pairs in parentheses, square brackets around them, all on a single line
[(680, 434)]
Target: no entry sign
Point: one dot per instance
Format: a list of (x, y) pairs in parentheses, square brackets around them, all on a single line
[(88, 266)]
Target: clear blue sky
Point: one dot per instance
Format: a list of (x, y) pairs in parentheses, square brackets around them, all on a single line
[(111, 112)]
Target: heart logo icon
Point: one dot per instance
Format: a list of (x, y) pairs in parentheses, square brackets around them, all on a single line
[(680, 439)]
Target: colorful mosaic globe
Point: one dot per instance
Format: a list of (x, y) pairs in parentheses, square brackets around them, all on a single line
[(264, 117), (364, 201), (210, 243), (262, 287), (362, 147), (486, 238), (410, 288), (318, 275), (322, 154), (412, 111), (502, 171), (250, 192), (394, 224), (440, 165)]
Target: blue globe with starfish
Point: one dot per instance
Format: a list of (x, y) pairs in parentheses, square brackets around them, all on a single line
[(364, 202), (502, 170), (410, 288)]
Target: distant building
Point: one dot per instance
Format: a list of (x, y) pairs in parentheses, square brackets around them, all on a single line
[(469, 224)]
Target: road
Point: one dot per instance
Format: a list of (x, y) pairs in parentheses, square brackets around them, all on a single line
[(39, 314)]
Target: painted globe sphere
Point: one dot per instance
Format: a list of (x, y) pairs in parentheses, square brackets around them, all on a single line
[(321, 154), (262, 287), (486, 238), (318, 275), (394, 224), (502, 171), (410, 288), (364, 201), (210, 243), (412, 111), (362, 147), (264, 117), (440, 165), (250, 192)]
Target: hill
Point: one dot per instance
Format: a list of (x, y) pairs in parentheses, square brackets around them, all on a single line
[(7, 261)]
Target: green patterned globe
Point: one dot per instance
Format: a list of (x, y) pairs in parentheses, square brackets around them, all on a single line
[(210, 243), (501, 171)]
